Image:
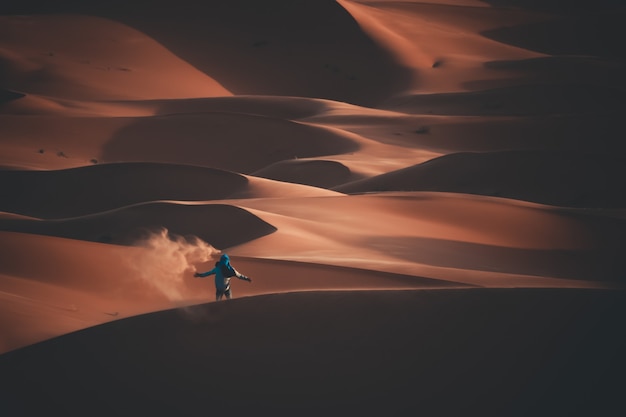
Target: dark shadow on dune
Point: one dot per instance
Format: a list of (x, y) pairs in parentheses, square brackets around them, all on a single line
[(291, 108), (580, 28), (308, 48), (572, 179), (572, 70), (6, 96), (519, 100), (566, 133), (572, 7), (230, 141), (602, 265), (476, 352), (320, 173), (220, 225), (98, 188)]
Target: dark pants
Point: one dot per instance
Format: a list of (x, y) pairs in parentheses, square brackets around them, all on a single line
[(225, 292)]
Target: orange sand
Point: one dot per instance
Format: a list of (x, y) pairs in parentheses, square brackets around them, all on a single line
[(430, 198)]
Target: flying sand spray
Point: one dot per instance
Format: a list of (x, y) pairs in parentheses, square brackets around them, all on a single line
[(167, 259)]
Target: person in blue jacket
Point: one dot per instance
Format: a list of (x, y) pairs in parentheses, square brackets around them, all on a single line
[(223, 272)]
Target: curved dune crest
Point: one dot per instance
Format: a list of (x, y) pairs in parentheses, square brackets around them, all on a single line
[(80, 191), (318, 173), (549, 177), (235, 142), (256, 48), (477, 240), (42, 55), (225, 132), (94, 189), (6, 96), (277, 107), (267, 188), (439, 43), (219, 224)]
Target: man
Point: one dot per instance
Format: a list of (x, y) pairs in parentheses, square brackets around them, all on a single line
[(223, 271)]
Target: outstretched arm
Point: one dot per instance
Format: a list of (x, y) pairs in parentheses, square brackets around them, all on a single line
[(205, 274), (242, 276)]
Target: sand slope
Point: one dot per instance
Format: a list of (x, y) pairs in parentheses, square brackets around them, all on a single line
[(569, 179), (107, 61), (51, 286), (86, 190), (253, 48), (496, 352), (428, 195)]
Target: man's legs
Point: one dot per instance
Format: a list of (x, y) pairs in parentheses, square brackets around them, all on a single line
[(220, 293)]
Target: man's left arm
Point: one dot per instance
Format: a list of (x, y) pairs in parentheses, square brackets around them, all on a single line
[(242, 276)]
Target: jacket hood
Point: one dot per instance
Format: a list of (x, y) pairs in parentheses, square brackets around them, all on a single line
[(225, 259)]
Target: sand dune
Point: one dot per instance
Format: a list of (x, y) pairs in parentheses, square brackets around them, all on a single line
[(448, 134), (428, 195), (324, 174), (580, 29), (231, 141), (497, 351), (440, 42), (590, 71), (8, 95), (256, 49), (561, 178), (108, 61), (87, 190), (513, 101), (423, 234), (237, 142), (277, 107), (81, 191), (444, 235), (212, 223), (94, 189), (51, 286)]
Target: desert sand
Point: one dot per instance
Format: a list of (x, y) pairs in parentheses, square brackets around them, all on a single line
[(430, 198)]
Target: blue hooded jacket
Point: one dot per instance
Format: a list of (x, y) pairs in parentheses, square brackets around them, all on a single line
[(222, 282)]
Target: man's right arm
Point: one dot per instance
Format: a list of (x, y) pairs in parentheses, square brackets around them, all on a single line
[(205, 274)]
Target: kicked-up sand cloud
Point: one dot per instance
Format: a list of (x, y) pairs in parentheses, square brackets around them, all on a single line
[(167, 259)]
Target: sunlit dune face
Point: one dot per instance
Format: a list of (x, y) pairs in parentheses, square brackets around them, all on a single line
[(439, 41), (42, 54)]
